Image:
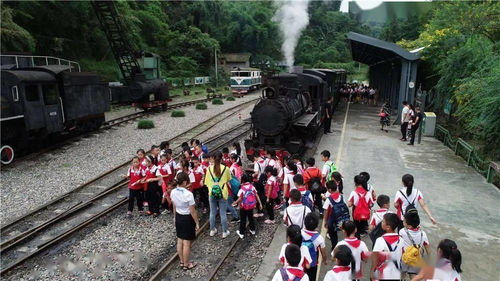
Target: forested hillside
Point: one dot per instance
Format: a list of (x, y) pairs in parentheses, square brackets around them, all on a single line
[(184, 33)]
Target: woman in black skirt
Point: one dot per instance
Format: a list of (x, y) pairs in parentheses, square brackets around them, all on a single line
[(186, 219)]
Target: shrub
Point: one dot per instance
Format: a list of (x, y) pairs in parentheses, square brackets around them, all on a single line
[(145, 124), (201, 106), (178, 113), (230, 99), (217, 101)]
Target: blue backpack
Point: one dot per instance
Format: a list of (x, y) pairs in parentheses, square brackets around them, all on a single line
[(306, 201), (340, 212), (312, 250), (204, 148), (235, 185)]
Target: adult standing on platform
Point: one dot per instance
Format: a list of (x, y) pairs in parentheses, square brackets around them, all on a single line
[(186, 219), (405, 118), (328, 115), (417, 118)]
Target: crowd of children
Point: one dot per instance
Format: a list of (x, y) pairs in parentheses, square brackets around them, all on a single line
[(304, 194)]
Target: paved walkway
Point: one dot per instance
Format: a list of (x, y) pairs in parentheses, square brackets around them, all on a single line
[(465, 206)]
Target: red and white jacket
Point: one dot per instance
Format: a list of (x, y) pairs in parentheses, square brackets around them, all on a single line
[(339, 273), (134, 176), (359, 252)]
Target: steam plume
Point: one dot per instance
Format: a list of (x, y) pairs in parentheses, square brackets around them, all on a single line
[(293, 18)]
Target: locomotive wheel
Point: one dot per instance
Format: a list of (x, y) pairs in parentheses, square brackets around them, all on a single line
[(7, 153)]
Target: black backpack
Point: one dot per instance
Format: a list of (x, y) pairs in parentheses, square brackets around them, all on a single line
[(411, 205), (376, 233)]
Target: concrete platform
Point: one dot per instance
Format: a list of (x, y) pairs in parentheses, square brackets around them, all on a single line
[(463, 203)]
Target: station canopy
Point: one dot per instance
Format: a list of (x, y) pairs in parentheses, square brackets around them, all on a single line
[(392, 69), (370, 51)]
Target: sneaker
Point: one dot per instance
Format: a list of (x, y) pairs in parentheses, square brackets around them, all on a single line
[(277, 207), (145, 204), (166, 211), (235, 220), (239, 234), (141, 213), (256, 215), (252, 232), (268, 221), (213, 232), (260, 215), (129, 214), (225, 234)]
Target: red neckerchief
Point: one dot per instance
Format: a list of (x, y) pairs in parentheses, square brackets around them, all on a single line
[(338, 269), (354, 242), (335, 196), (296, 271), (391, 238)]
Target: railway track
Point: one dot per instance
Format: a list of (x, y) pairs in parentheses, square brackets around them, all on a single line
[(45, 227), (105, 126)]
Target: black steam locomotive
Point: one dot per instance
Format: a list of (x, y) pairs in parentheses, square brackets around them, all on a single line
[(292, 108), (45, 100)]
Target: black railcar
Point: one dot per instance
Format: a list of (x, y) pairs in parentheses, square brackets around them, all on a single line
[(292, 109), (46, 100)]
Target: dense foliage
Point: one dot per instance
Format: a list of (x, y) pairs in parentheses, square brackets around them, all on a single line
[(461, 43), (184, 33)]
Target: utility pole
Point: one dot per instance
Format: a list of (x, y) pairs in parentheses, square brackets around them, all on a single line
[(216, 74)]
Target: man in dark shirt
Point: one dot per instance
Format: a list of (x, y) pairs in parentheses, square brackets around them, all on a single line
[(417, 119), (328, 115)]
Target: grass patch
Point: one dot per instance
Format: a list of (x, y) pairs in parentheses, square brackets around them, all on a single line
[(145, 124), (178, 113), (230, 99), (201, 106), (217, 101)]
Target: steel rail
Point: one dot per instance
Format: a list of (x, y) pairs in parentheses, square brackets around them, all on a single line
[(82, 205)]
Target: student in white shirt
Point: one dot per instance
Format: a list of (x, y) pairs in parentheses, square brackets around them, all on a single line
[(448, 265), (407, 196), (294, 236), (328, 166), (186, 219), (387, 251), (413, 235), (358, 248), (344, 265), (296, 212), (289, 172), (293, 271)]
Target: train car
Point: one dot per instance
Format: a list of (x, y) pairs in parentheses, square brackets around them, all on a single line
[(291, 110), (244, 80), (41, 101)]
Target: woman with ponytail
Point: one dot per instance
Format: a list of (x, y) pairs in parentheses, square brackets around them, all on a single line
[(217, 180), (448, 266), (408, 197), (186, 218)]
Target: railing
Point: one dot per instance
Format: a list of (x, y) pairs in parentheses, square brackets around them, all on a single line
[(41, 60), (489, 169)]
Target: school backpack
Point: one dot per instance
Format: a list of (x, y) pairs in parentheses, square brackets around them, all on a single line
[(412, 255), (204, 148), (333, 169), (216, 188), (339, 212), (306, 201), (312, 249), (289, 221), (249, 198), (275, 188), (411, 205), (396, 262), (377, 231), (285, 277), (362, 210)]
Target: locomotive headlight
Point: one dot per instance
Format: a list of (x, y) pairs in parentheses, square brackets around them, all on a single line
[(151, 97)]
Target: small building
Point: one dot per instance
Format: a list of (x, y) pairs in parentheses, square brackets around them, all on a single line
[(232, 61)]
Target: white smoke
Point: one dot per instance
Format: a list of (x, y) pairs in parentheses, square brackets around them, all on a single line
[(293, 18)]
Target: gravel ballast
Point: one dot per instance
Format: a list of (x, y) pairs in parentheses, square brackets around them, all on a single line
[(115, 247), (28, 184)]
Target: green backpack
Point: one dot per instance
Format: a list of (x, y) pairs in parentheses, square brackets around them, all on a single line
[(333, 169), (216, 188)]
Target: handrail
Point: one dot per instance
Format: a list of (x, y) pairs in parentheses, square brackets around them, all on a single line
[(458, 145), (46, 59)]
